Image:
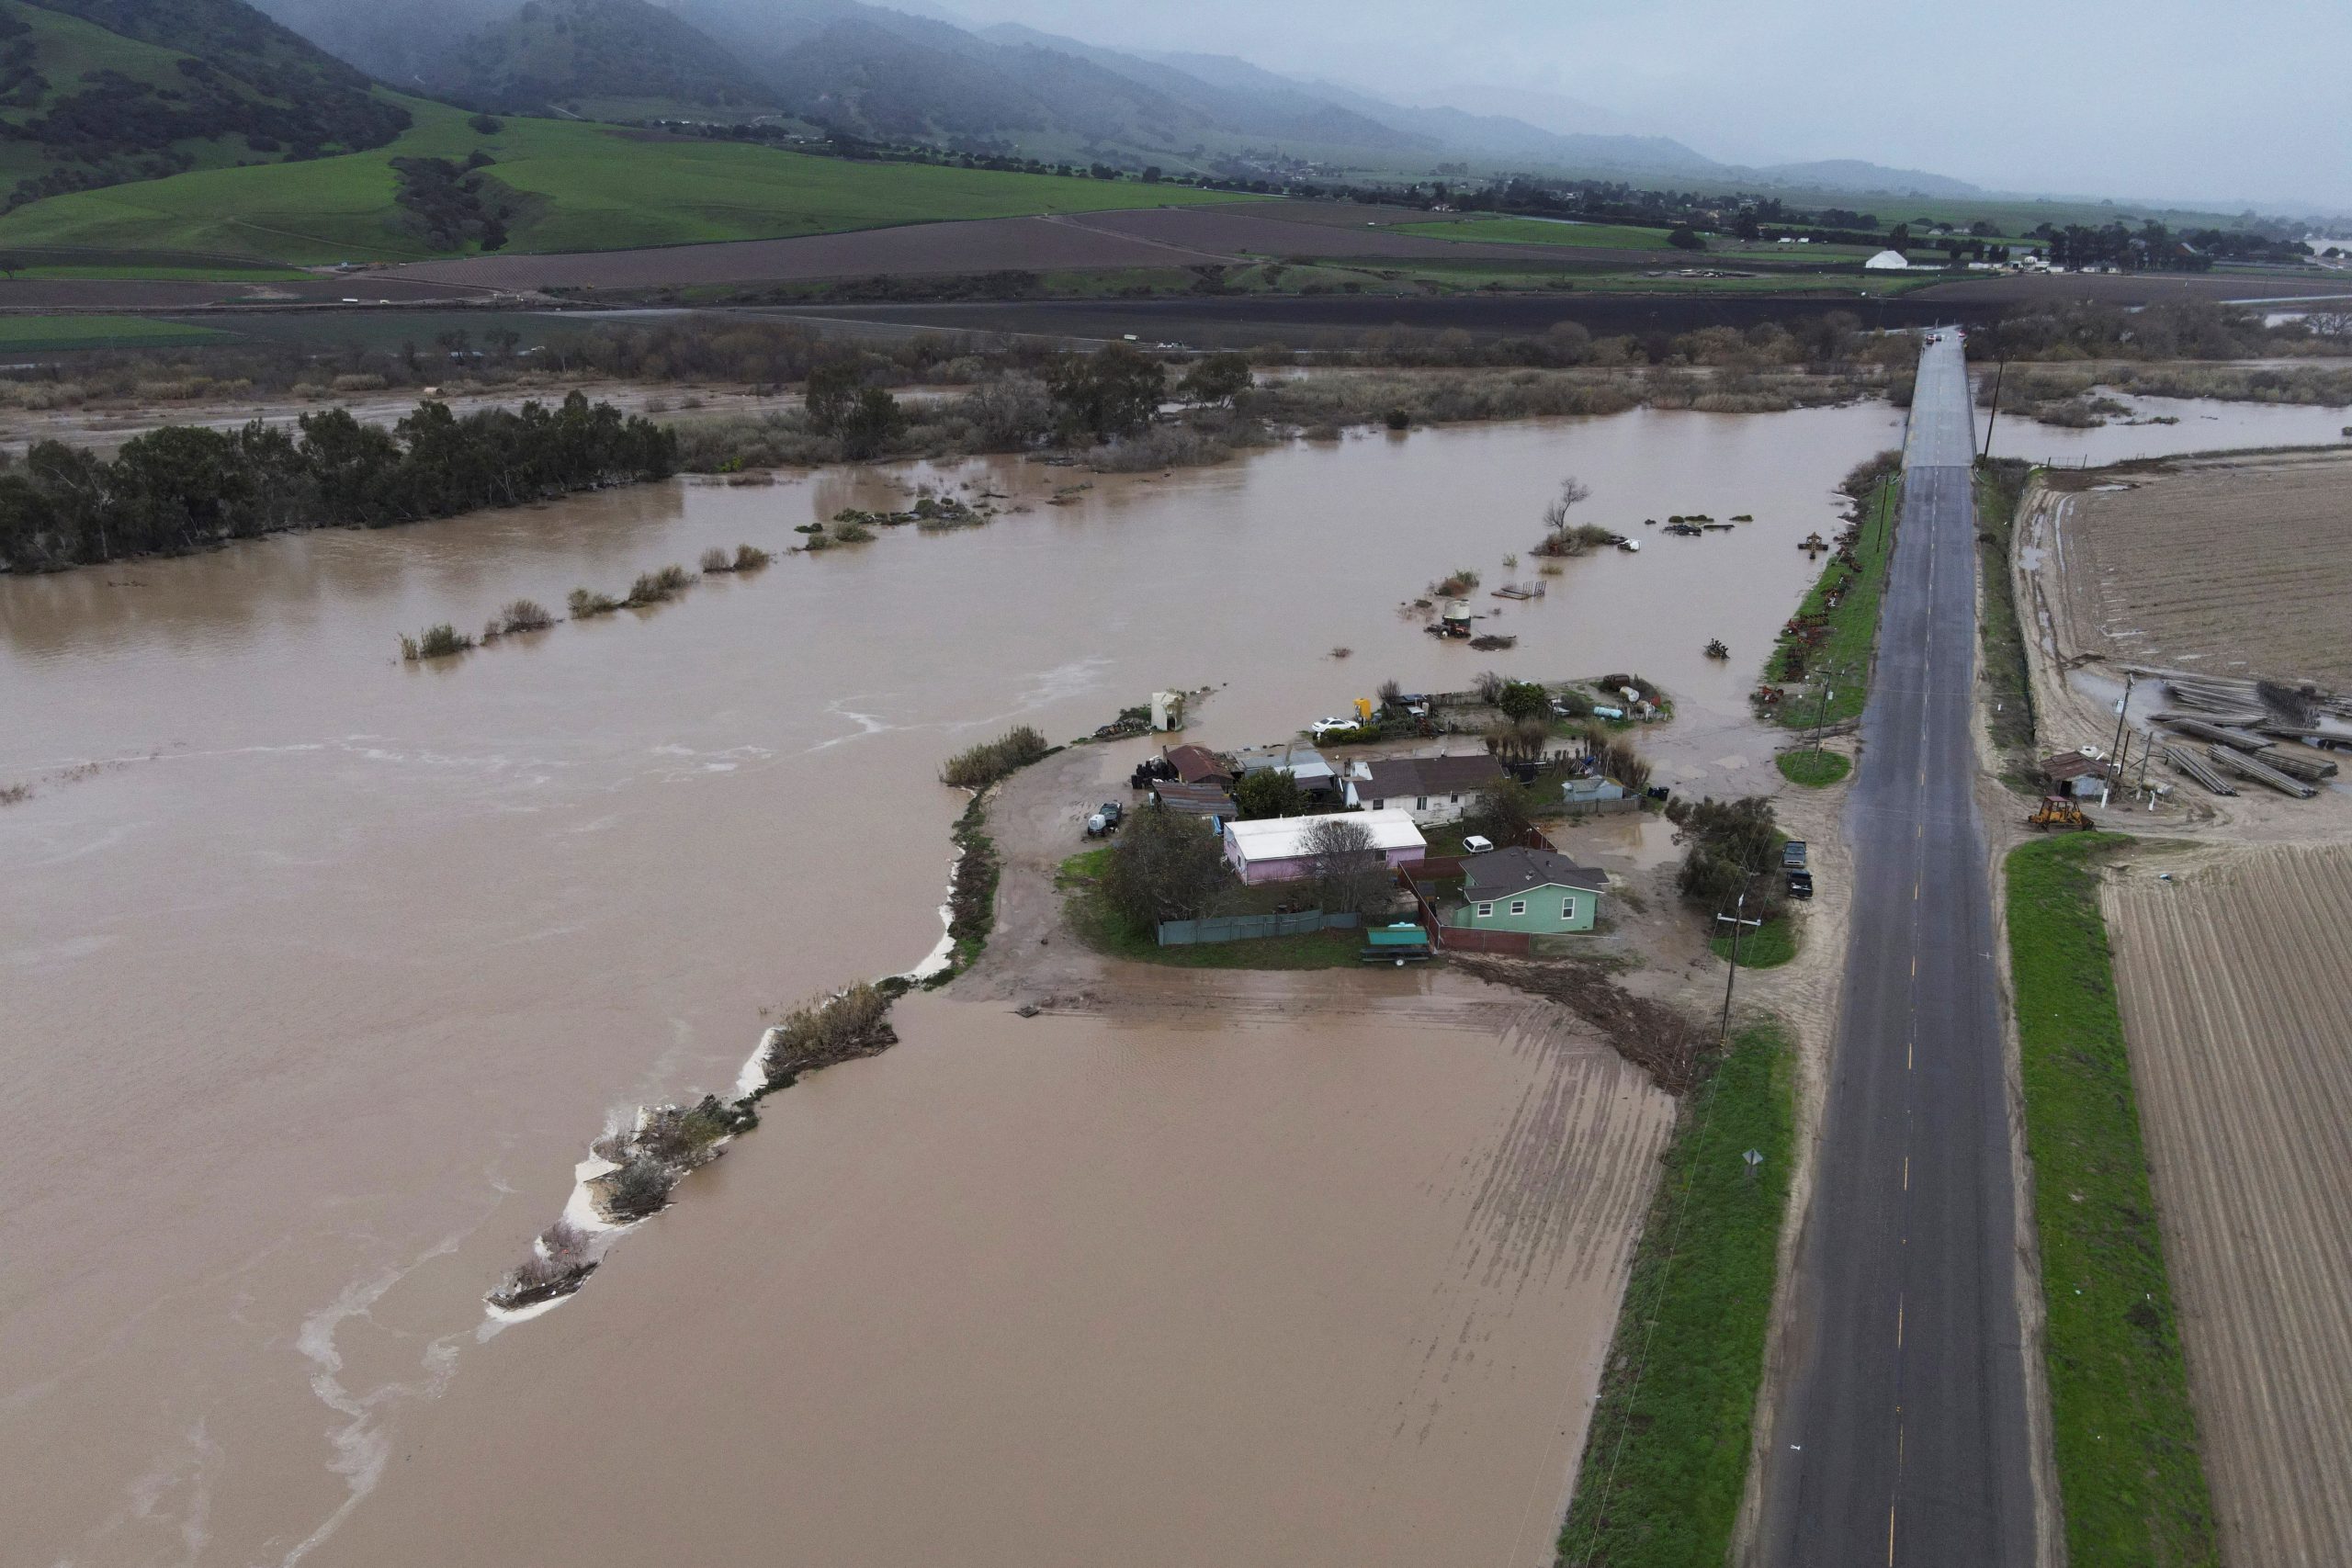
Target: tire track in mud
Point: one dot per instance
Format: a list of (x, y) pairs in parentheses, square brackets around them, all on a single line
[(2236, 981)]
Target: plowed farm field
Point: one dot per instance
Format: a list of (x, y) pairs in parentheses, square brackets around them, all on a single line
[(2236, 569), (2236, 986)]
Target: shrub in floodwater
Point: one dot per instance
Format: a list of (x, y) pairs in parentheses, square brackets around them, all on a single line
[(984, 764), (640, 1188), (717, 559), (1455, 585), (682, 1137), (1399, 418), (1581, 539), (524, 615), (585, 602), (555, 1268), (835, 1029), (658, 587), (751, 558), (436, 642)]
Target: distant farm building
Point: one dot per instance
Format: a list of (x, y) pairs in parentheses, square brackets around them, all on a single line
[(1276, 848), (1887, 261)]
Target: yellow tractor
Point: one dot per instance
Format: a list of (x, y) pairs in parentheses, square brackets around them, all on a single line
[(2057, 811)]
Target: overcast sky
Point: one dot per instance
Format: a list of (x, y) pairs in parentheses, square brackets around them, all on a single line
[(2248, 103)]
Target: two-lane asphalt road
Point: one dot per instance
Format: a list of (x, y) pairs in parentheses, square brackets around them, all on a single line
[(1901, 1436)]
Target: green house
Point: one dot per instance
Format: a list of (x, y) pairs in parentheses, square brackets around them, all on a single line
[(1533, 891)]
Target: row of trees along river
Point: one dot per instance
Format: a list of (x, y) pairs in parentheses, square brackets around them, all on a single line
[(188, 487)]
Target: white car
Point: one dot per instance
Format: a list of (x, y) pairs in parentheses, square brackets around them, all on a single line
[(1323, 726), (1477, 844)]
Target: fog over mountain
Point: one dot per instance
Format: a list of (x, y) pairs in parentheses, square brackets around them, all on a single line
[(2155, 100), (2149, 98)]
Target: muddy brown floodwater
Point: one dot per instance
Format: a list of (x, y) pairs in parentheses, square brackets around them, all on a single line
[(321, 971)]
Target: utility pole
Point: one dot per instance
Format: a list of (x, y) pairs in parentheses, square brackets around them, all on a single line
[(2123, 716), (1734, 923), (2000, 367), (1821, 709)]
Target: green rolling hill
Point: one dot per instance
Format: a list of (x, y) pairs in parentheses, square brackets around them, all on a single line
[(558, 186), (181, 84)]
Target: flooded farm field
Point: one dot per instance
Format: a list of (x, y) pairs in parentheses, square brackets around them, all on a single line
[(323, 969), (2199, 424)]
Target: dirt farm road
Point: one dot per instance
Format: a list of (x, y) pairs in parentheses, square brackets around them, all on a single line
[(1902, 1435)]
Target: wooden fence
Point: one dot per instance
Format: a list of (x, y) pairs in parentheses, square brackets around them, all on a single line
[(1252, 927)]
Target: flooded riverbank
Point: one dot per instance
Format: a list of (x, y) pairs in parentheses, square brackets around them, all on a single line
[(324, 970), (2201, 425)]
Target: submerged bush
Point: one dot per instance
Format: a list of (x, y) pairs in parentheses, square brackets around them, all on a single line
[(835, 1029), (1579, 540), (751, 558), (984, 764), (682, 1137), (716, 560), (436, 642), (524, 615), (658, 587), (640, 1188), (585, 602)]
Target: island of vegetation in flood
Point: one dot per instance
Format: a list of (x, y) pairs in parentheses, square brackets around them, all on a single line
[(187, 488)]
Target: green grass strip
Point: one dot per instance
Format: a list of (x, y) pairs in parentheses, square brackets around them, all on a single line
[(2125, 1433), (1815, 770), (25, 332), (1843, 657), (1768, 946), (1666, 1458), (1999, 484)]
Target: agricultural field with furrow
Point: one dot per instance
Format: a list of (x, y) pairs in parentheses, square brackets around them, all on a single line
[(2235, 982)]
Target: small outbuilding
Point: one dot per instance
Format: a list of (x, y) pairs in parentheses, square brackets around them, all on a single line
[(1196, 800), (2077, 774), (1592, 793), (1307, 767), (1274, 848), (1198, 764), (1535, 892), (1888, 261)]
